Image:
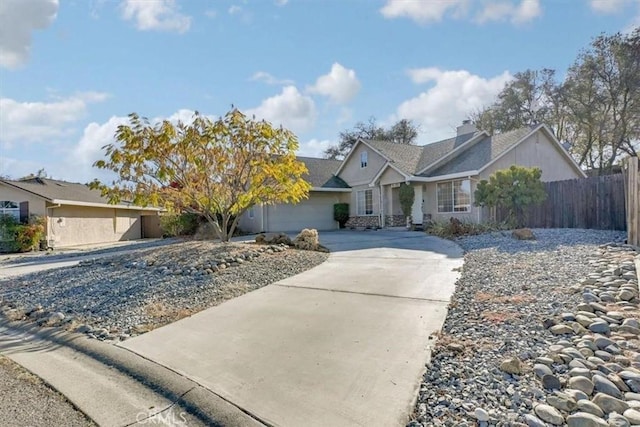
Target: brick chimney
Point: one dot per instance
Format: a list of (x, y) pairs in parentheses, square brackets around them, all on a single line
[(465, 128)]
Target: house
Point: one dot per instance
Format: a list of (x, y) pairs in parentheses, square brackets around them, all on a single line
[(74, 214), (316, 211), (443, 174)]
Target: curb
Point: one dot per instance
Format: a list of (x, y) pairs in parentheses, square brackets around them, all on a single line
[(199, 401)]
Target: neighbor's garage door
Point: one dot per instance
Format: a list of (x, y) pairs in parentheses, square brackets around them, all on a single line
[(314, 212)]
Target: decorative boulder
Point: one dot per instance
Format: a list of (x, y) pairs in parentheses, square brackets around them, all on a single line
[(307, 240), (523, 234)]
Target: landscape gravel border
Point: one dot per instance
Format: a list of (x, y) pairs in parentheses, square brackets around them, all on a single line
[(481, 371)]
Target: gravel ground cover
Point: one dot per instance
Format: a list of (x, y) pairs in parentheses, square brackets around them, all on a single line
[(28, 402), (125, 295), (515, 332)]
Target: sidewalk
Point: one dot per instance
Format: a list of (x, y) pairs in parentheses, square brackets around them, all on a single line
[(113, 386)]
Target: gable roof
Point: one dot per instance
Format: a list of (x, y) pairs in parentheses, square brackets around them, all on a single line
[(404, 156), (322, 172), (63, 192), (434, 151), (480, 154)]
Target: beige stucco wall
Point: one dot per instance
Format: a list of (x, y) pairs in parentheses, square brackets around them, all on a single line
[(536, 151), (353, 174), (252, 225), (78, 225), (391, 176), (36, 204)]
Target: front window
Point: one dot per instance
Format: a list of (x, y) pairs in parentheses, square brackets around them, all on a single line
[(364, 202), (454, 196), (364, 159), (251, 213), (10, 208)]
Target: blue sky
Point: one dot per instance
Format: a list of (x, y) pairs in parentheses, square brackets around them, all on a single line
[(71, 71)]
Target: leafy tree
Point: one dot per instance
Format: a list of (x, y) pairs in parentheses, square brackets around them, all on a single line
[(218, 169), (406, 195), (513, 189), (525, 101), (602, 97), (403, 132), (596, 110)]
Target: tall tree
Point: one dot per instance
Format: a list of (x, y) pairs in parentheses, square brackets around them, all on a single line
[(526, 100), (218, 169), (402, 132), (602, 97), (596, 110)]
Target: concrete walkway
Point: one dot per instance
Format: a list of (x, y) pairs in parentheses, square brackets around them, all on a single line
[(343, 344)]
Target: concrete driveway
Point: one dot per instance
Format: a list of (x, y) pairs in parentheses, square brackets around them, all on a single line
[(343, 344)]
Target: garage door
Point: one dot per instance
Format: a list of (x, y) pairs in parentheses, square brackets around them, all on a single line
[(314, 212)]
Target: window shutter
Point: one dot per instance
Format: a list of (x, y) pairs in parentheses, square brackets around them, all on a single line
[(24, 212)]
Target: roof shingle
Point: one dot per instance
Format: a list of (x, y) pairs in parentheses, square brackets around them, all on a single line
[(322, 172)]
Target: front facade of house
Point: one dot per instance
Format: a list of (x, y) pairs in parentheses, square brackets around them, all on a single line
[(74, 214), (444, 176)]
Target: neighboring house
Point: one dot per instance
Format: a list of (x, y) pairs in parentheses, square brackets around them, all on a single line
[(444, 176), (74, 214)]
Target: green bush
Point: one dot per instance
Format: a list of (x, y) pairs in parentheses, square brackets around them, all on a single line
[(512, 189), (184, 224), (407, 196), (341, 213), (17, 237)]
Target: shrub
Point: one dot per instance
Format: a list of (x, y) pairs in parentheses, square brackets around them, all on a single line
[(513, 189), (341, 213), (17, 237), (184, 224), (407, 196)]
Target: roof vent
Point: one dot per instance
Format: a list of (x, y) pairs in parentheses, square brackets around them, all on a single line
[(39, 180)]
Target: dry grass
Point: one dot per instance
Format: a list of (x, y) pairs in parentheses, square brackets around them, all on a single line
[(160, 313), (503, 299), (498, 316), (18, 371)]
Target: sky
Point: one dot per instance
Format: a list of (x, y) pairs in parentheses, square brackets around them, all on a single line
[(72, 70)]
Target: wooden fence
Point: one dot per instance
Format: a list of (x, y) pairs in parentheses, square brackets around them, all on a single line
[(595, 203), (632, 199)]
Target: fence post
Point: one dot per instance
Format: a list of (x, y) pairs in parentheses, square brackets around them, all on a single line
[(632, 200)]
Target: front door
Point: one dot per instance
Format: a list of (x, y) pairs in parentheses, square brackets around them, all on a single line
[(416, 210)]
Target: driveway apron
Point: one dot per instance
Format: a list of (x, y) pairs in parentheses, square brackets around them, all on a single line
[(343, 344)]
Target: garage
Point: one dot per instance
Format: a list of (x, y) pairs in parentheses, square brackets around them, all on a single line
[(314, 212)]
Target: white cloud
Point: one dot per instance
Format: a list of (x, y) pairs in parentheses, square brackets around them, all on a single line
[(609, 6), (281, 2), (263, 76), (27, 122), (234, 10), (422, 12), (341, 84), (426, 11), (290, 108), (503, 10), (453, 95), (160, 15), (618, 7), (314, 147), (18, 18), (211, 13)]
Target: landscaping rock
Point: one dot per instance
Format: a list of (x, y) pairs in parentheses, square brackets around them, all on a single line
[(584, 419), (549, 414), (511, 365), (523, 234)]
